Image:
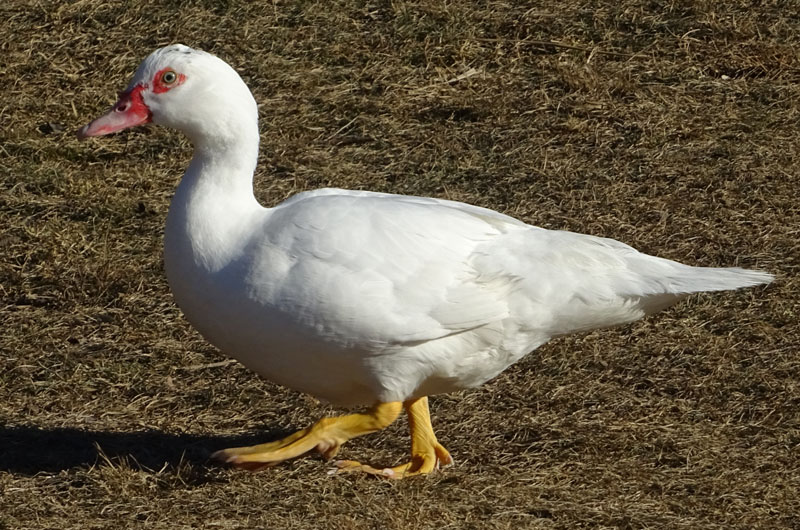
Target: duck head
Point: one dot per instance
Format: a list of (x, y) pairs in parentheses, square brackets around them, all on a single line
[(184, 89)]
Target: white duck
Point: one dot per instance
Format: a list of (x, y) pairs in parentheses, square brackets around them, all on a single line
[(365, 298)]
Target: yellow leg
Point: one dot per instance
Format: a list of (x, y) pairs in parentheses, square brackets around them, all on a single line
[(325, 436), (427, 453)]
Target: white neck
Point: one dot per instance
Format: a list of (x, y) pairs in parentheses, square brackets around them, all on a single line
[(214, 207)]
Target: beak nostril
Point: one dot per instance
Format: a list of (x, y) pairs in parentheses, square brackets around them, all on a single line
[(121, 108)]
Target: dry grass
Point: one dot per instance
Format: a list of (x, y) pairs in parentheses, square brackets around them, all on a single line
[(670, 125)]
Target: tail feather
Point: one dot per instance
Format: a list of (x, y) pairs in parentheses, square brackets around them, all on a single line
[(696, 279), (683, 280)]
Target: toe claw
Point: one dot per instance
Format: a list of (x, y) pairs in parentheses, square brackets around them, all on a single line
[(221, 456)]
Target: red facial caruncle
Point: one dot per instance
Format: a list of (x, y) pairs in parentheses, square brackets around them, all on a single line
[(130, 109), (167, 79)]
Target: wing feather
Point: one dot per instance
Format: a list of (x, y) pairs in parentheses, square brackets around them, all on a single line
[(391, 269)]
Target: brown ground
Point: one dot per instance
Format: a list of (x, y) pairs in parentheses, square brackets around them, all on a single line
[(670, 125)]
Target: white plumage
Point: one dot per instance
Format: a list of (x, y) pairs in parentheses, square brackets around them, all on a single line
[(361, 298)]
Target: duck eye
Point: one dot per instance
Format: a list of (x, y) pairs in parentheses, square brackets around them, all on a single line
[(168, 77)]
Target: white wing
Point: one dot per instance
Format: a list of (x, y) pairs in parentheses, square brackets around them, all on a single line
[(382, 269)]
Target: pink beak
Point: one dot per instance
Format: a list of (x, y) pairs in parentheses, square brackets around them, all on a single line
[(128, 111)]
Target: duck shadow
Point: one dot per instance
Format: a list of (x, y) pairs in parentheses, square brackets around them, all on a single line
[(28, 450)]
